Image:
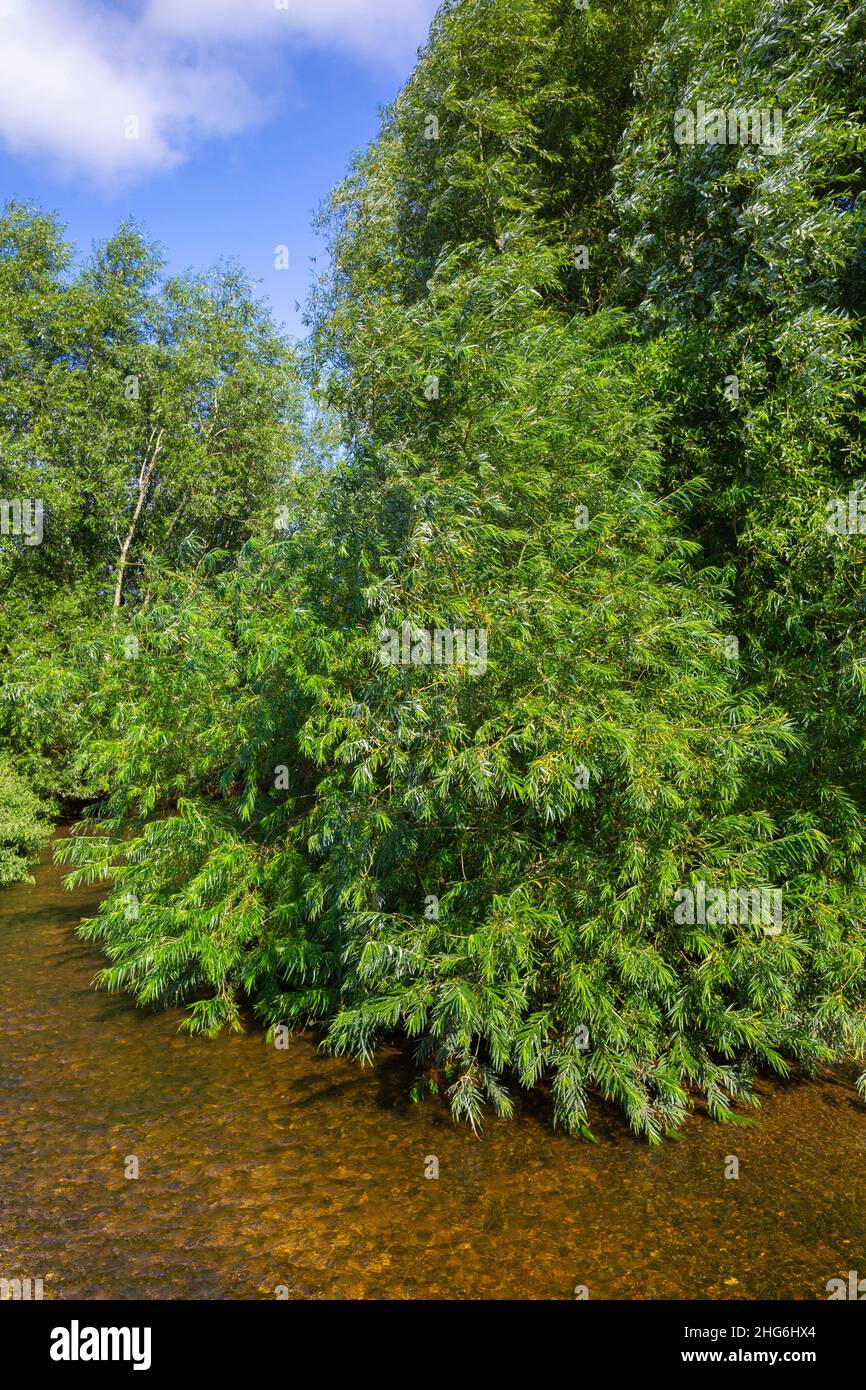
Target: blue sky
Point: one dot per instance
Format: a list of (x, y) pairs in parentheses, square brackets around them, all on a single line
[(219, 125)]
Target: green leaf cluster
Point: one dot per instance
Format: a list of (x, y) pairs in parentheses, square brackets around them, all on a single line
[(483, 857)]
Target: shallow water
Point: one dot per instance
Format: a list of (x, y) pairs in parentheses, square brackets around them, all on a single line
[(262, 1168)]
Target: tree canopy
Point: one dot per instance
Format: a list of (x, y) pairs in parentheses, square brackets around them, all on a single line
[(532, 732)]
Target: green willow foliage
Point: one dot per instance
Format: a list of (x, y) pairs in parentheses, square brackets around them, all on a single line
[(749, 262), (414, 782), (24, 825), (485, 860), (151, 417)]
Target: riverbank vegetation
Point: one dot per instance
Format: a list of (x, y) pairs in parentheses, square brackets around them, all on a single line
[(571, 384)]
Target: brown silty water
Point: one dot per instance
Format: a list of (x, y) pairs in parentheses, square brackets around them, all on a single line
[(264, 1170)]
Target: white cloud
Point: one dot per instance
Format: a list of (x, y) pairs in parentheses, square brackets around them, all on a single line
[(116, 95), (389, 30)]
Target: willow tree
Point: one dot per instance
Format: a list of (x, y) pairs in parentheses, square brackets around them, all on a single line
[(480, 851), (444, 757), (743, 258)]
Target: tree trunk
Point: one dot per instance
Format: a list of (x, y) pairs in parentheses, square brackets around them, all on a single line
[(144, 478)]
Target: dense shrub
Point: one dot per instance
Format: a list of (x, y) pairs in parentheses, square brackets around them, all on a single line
[(24, 825)]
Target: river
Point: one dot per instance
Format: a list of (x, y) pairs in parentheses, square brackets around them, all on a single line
[(266, 1173)]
